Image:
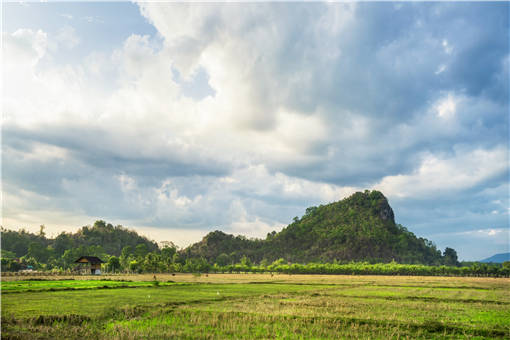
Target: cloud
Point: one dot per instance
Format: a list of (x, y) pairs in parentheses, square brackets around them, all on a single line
[(67, 37), (24, 46), (465, 170), (447, 107), (240, 116)]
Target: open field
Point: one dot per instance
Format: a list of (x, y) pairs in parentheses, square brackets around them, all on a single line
[(219, 306)]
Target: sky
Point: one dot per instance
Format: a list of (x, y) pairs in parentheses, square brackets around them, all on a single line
[(176, 119)]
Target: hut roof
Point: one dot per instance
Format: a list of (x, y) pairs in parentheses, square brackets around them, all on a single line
[(89, 259)]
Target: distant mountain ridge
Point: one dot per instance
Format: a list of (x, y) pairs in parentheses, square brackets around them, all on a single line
[(498, 258), (359, 228)]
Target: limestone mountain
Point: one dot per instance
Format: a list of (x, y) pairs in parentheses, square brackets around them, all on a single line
[(359, 228)]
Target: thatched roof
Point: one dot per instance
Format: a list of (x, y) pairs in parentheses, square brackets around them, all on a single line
[(89, 259)]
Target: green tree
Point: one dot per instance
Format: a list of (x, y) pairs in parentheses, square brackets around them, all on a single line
[(152, 263), (245, 261), (279, 262), (62, 242), (69, 256), (167, 257), (126, 251), (167, 253), (450, 257), (96, 250), (41, 230), (38, 252), (10, 265), (178, 259), (134, 267), (99, 224), (141, 250), (8, 254), (126, 257), (113, 263), (19, 247), (203, 266), (189, 266), (223, 259)]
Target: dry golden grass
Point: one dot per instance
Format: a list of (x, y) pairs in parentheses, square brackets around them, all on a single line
[(432, 281)]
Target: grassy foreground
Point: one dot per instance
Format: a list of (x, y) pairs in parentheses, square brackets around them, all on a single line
[(246, 306)]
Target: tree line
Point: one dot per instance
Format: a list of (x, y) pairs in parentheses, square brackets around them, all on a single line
[(169, 260), (141, 255)]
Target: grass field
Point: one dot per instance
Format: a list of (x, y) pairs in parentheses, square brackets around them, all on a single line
[(247, 306)]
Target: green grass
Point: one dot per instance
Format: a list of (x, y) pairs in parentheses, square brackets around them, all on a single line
[(95, 302), (275, 307), (54, 285)]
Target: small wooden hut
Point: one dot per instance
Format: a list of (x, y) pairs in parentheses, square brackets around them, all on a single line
[(89, 264)]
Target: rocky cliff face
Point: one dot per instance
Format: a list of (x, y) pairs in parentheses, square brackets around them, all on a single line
[(386, 213)]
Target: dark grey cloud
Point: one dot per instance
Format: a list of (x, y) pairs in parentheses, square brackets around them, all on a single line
[(102, 148), (386, 73), (86, 176)]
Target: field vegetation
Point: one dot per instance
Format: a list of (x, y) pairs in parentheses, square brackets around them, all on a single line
[(222, 306)]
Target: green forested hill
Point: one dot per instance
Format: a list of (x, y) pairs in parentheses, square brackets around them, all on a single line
[(359, 228), (99, 239)]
